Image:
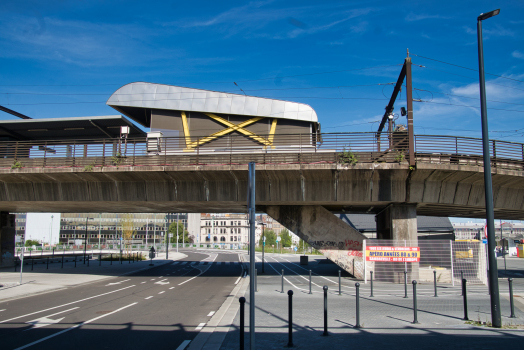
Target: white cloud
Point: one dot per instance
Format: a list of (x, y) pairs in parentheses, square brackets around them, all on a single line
[(518, 54), (411, 17), (496, 30)]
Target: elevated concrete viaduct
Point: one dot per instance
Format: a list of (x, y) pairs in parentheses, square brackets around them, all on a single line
[(300, 196)]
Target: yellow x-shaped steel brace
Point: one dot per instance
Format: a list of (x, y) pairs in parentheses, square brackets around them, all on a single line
[(231, 127)]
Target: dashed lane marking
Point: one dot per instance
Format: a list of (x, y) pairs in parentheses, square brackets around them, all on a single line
[(73, 327), (211, 314), (73, 302), (171, 287), (200, 326), (238, 280), (162, 292), (148, 297)]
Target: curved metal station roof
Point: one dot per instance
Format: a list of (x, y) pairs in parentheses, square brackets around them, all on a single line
[(132, 99)]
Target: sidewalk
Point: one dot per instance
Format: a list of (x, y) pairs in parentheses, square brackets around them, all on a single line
[(42, 280), (386, 318)]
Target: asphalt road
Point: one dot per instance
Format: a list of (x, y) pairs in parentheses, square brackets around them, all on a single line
[(161, 308)]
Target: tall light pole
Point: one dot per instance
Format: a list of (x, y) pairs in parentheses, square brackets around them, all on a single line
[(263, 245), (490, 216)]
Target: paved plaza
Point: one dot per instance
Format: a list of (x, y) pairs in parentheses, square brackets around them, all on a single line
[(386, 318)]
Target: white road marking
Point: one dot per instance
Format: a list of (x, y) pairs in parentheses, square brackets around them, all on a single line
[(73, 302), (184, 344), (148, 297), (152, 279), (162, 282), (142, 282), (200, 326), (75, 326), (192, 278), (115, 283), (238, 280), (171, 287), (2, 310), (211, 313), (161, 292), (46, 320)]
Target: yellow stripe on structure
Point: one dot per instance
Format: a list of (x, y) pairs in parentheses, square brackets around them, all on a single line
[(186, 130), (272, 132), (231, 127)]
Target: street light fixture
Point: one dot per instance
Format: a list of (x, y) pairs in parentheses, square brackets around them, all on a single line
[(490, 216)]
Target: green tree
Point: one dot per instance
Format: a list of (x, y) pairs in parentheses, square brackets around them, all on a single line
[(31, 242), (285, 238), (271, 238), (181, 229)]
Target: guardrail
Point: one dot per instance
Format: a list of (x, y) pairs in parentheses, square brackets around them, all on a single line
[(345, 148)]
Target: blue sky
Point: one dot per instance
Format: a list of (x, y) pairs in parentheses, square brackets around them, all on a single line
[(65, 58)]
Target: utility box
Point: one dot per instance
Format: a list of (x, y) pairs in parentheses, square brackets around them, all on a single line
[(154, 141), (304, 260)]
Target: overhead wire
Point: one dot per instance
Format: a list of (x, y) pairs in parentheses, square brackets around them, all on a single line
[(223, 82), (465, 76), (469, 106), (471, 69), (168, 93), (462, 96)]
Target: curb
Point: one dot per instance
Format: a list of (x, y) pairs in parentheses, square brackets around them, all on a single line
[(214, 333), (83, 284)]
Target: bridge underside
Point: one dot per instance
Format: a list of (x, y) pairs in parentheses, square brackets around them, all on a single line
[(434, 189)]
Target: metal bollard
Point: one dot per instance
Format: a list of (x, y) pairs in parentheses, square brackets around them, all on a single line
[(75, 260), (88, 260), (405, 284), (256, 280), (15, 265), (510, 280), (461, 278), (242, 301), (339, 284), (47, 266), (111, 259), (357, 287), (415, 320), (310, 282), (465, 297), (32, 260), (325, 311), (371, 280), (282, 291), (129, 260), (290, 316), (99, 259), (435, 281)]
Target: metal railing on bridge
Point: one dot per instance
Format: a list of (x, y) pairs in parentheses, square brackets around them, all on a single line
[(342, 148)]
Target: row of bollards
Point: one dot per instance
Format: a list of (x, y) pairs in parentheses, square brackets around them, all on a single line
[(242, 301)]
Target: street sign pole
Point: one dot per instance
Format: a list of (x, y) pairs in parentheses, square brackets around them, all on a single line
[(251, 211)]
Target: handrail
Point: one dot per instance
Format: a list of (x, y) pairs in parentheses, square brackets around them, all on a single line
[(337, 147)]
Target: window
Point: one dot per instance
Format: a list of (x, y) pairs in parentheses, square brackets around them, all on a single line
[(222, 239), (214, 238)]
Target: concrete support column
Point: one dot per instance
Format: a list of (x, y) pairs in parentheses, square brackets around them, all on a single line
[(325, 232), (7, 239), (398, 223)]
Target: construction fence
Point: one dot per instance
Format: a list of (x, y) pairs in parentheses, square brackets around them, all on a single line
[(394, 260)]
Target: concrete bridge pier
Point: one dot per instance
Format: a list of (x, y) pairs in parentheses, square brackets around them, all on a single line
[(316, 225), (7, 239), (398, 223)]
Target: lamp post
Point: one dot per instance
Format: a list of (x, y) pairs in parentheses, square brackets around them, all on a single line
[(490, 217), (51, 233), (263, 244)]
